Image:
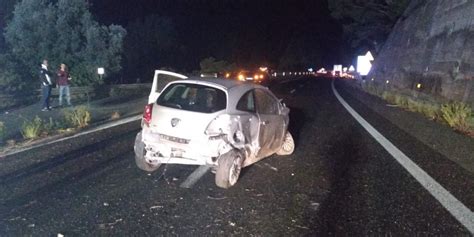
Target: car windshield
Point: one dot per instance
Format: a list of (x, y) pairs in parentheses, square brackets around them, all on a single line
[(192, 97)]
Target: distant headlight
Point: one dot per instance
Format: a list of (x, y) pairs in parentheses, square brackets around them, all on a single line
[(255, 77), (241, 77), (261, 76)]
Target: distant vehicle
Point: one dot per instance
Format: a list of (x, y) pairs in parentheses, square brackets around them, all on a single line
[(254, 76), (209, 74), (226, 124)]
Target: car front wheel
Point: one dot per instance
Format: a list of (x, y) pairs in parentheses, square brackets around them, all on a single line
[(140, 152), (288, 145), (228, 169)]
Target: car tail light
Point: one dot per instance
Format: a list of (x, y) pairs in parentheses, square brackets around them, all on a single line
[(255, 77), (147, 114)]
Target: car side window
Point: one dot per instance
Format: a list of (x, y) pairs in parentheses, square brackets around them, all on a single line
[(247, 102), (266, 104)]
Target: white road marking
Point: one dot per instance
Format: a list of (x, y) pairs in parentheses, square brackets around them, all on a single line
[(195, 176), (462, 213), (98, 128)]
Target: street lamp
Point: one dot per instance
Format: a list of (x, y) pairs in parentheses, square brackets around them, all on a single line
[(101, 72)]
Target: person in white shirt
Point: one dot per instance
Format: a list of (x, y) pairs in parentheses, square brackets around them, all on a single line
[(46, 84)]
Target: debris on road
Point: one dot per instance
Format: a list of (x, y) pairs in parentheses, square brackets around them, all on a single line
[(271, 167), (216, 198), (314, 206), (104, 225), (155, 207), (302, 227), (15, 218)]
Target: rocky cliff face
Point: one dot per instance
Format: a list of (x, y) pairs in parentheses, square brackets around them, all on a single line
[(432, 44)]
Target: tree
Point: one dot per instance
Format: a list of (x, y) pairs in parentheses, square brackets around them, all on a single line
[(367, 24), (63, 32), (5, 15), (151, 43)]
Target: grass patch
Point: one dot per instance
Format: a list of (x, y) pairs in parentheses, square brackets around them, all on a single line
[(78, 117), (32, 129), (401, 100), (457, 115), (373, 89), (390, 97), (428, 109)]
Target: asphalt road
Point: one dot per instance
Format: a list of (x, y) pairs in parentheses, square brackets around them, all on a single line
[(339, 181)]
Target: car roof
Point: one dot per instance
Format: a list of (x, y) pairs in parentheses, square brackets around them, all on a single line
[(234, 88)]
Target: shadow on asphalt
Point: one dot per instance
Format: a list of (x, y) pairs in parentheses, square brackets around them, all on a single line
[(297, 121), (339, 164)]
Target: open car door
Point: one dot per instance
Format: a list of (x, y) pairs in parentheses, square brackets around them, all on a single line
[(160, 80)]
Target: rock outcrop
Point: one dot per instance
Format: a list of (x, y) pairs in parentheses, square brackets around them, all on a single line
[(433, 44)]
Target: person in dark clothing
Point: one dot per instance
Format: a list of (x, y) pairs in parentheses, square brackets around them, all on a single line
[(63, 84), (46, 84)]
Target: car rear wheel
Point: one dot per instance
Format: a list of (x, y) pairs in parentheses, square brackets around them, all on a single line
[(288, 145), (228, 169), (140, 152)]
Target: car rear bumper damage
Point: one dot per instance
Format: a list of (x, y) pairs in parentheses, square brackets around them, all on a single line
[(166, 149)]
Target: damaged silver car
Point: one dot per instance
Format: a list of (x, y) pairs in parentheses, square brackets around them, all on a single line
[(222, 123)]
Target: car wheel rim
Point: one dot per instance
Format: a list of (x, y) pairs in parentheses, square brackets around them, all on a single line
[(289, 144), (234, 171)]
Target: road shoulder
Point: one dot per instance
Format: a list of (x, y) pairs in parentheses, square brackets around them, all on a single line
[(438, 137)]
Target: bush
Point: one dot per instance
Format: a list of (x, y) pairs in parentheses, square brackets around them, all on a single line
[(431, 111), (78, 117), (389, 97), (414, 106), (457, 115), (32, 129)]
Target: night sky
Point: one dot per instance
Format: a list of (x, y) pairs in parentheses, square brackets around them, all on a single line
[(247, 32)]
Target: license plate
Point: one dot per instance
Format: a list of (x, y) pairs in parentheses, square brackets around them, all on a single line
[(176, 153)]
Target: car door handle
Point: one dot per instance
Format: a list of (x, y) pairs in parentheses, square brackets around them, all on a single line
[(265, 122)]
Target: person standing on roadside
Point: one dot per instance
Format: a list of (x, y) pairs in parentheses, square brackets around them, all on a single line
[(63, 83), (46, 84)]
